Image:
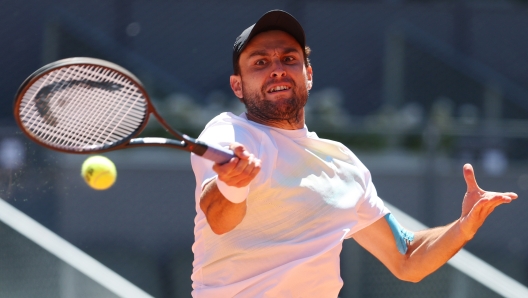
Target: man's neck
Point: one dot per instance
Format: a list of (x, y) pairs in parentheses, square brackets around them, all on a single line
[(291, 124)]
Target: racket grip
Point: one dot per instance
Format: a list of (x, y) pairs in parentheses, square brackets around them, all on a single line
[(218, 154)]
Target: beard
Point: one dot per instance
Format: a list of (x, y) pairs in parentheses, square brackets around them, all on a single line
[(281, 109)]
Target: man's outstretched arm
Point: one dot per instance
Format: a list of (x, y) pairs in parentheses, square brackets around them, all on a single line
[(432, 248)]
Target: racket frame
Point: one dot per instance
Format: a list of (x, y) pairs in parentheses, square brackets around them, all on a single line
[(183, 141)]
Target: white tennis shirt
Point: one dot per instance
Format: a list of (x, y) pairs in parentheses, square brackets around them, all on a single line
[(310, 194)]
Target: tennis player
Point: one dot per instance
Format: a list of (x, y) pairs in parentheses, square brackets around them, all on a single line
[(271, 221)]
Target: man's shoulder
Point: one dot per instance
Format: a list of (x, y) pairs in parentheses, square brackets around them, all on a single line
[(226, 118), (228, 127), (230, 121)]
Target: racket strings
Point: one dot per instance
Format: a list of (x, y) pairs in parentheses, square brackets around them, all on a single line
[(120, 123), (102, 120), (65, 135), (60, 133), (95, 115), (31, 116), (82, 107)]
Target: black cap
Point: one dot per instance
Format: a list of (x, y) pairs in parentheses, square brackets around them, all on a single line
[(271, 20)]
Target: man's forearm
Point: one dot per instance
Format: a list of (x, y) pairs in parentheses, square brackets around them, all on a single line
[(432, 248), (222, 214)]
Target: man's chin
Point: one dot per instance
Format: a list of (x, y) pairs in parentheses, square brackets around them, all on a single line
[(279, 95)]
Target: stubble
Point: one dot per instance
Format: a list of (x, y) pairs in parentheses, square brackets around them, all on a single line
[(280, 110)]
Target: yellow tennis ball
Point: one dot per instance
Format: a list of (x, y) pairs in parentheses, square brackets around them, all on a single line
[(99, 172)]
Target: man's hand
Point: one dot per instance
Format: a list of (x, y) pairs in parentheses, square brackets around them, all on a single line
[(241, 169), (478, 203), (224, 215)]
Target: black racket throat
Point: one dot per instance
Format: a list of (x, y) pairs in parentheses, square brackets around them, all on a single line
[(188, 144), (195, 146)]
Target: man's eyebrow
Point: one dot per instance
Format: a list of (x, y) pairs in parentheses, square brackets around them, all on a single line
[(291, 50), (265, 52), (257, 53)]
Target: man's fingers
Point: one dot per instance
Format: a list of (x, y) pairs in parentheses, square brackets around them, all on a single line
[(246, 168), (243, 180), (238, 172), (241, 166), (501, 197), (469, 176), (251, 171), (499, 200), (512, 195), (489, 206), (239, 150), (220, 169), (246, 179), (230, 169), (241, 169), (252, 163), (485, 206)]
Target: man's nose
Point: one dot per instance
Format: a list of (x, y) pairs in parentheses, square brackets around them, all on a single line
[(278, 69)]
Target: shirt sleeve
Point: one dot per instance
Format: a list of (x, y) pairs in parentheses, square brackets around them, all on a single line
[(371, 207), (223, 134)]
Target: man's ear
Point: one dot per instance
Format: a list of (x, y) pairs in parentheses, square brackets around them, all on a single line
[(236, 85), (309, 77)]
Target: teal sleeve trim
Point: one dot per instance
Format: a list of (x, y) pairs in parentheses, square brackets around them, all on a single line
[(401, 235)]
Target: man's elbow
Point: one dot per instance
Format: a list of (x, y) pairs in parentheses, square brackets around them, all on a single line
[(222, 215), (219, 230), (411, 278), (404, 270), (216, 228), (409, 275)]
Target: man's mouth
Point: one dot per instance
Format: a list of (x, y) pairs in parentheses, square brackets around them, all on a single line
[(278, 88)]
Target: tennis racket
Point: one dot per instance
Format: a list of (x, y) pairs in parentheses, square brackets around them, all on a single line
[(88, 105)]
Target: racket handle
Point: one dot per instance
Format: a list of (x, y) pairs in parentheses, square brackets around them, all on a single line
[(217, 153)]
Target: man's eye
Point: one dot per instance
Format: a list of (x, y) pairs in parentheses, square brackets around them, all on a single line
[(260, 62)]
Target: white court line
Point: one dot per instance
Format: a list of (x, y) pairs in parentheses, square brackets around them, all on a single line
[(470, 265), (70, 254)]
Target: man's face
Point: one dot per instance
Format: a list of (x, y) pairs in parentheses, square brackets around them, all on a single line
[(274, 81)]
